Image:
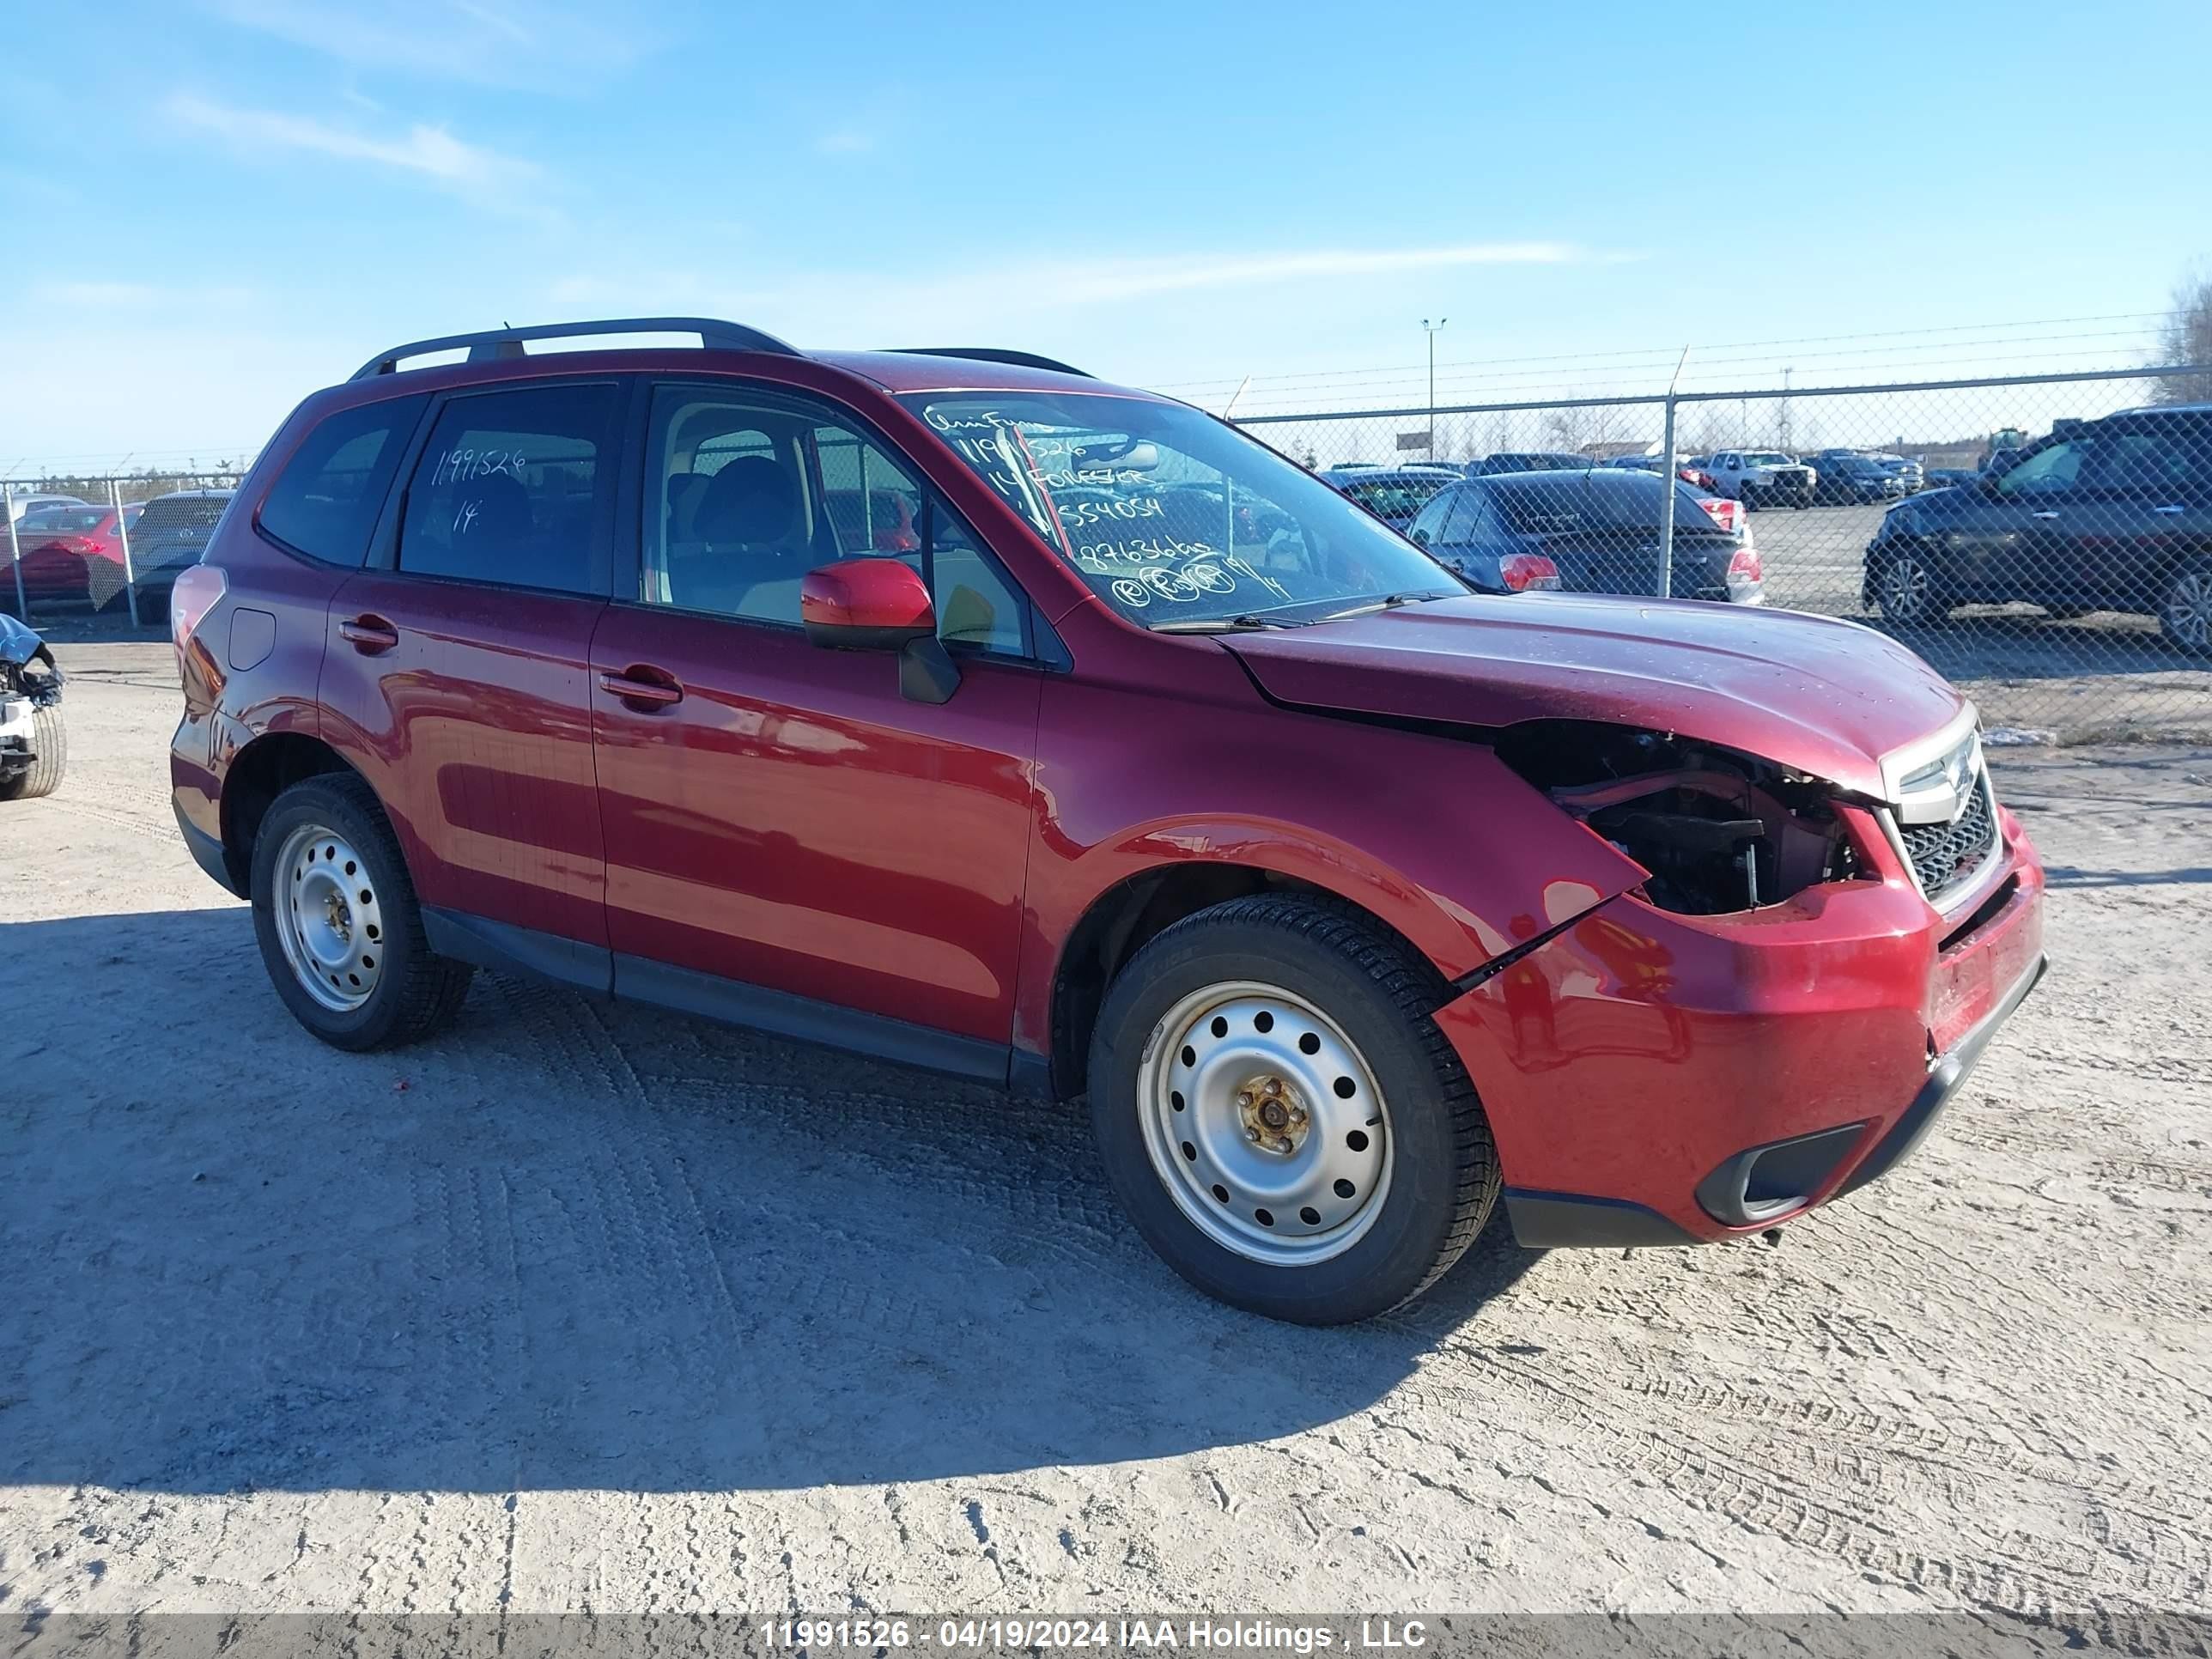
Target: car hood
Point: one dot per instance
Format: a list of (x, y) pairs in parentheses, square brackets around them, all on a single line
[(18, 644), (1821, 696)]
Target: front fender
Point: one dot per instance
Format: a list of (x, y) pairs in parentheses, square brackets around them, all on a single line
[(1428, 832)]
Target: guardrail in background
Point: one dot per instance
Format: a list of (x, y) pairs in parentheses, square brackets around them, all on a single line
[(2066, 600)]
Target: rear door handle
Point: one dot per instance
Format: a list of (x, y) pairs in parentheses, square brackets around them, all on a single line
[(639, 683), (368, 635), (2045, 515), (2174, 512)]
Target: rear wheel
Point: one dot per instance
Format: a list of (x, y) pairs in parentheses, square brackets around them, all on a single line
[(1906, 589), (2184, 611), (1281, 1118), (49, 758), (340, 931)]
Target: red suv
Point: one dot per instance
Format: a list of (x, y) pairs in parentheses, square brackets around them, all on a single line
[(954, 707)]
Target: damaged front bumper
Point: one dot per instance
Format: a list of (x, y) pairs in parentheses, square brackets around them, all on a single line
[(1658, 1078)]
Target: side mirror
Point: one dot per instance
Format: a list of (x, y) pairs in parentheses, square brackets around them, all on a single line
[(1420, 536), (865, 605), (880, 604)]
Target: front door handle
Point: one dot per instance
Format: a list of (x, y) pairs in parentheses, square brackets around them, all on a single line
[(638, 683), (2045, 515), (368, 634), (2171, 512)]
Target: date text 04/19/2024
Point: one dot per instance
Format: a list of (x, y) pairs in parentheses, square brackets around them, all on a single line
[(985, 1635)]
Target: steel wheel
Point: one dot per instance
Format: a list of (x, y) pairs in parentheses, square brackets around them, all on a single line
[(328, 920), (2187, 612), (1264, 1124)]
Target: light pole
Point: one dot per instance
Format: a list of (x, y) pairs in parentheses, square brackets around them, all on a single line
[(1430, 328)]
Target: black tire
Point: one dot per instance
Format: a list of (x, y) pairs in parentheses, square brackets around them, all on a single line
[(1442, 1172), (49, 758), (2185, 607), (416, 992), (153, 607)]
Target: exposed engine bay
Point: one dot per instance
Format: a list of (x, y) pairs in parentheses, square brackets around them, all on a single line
[(1719, 831)]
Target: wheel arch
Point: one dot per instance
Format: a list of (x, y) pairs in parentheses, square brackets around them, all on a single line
[(1119, 921), (261, 771)]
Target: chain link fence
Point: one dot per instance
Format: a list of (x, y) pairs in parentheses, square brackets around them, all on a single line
[(104, 546), (2060, 575), (2044, 542)]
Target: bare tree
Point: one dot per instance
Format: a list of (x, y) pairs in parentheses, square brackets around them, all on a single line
[(2188, 342)]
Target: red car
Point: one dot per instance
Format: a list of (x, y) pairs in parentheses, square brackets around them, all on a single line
[(1351, 900), (70, 554)]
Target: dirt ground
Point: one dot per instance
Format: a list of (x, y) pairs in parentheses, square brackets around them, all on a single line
[(586, 1308)]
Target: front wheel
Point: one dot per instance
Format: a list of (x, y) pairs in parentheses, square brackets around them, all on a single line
[(1280, 1117), (2184, 611), (340, 931)]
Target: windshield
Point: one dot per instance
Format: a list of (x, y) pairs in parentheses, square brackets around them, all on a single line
[(1174, 518), (1606, 500), (1767, 458), (65, 518)]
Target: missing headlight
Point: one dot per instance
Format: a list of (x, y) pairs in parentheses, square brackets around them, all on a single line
[(1719, 831)]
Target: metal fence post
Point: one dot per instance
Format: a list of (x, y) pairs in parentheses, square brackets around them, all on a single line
[(122, 535), (14, 551), (1667, 499)]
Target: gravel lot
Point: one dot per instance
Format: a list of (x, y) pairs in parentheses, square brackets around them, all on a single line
[(584, 1307)]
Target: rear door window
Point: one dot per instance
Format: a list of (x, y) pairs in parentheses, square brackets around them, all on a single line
[(511, 488), (326, 501)]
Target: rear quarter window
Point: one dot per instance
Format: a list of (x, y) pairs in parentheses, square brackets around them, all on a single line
[(326, 501), (508, 487)]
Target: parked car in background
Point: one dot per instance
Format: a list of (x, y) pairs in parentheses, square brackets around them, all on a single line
[(1528, 461), (1597, 532), (1393, 494), (1687, 472), (1851, 477), (1261, 852), (172, 533), (1909, 471), (70, 555), (19, 505), (1760, 477), (2111, 515)]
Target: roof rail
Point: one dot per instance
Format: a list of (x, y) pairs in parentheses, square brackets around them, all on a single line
[(995, 354), (496, 344)]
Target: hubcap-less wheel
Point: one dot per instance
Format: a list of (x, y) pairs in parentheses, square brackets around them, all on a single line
[(2188, 612), (1906, 589), (1264, 1124), (328, 919)]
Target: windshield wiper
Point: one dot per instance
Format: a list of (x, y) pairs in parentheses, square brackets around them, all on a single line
[(1248, 619), (1388, 602)]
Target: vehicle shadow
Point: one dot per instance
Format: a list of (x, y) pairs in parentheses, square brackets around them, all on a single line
[(1976, 643), (568, 1245)]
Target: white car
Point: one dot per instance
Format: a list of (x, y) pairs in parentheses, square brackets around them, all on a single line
[(19, 505), (1760, 477)]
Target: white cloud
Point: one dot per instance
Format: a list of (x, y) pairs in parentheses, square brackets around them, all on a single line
[(845, 141), (429, 152), (536, 44)]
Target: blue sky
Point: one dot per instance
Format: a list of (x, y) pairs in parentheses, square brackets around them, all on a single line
[(252, 197)]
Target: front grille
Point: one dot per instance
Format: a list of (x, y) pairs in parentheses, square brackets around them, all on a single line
[(1946, 856)]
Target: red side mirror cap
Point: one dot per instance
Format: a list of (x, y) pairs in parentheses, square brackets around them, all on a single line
[(865, 605)]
